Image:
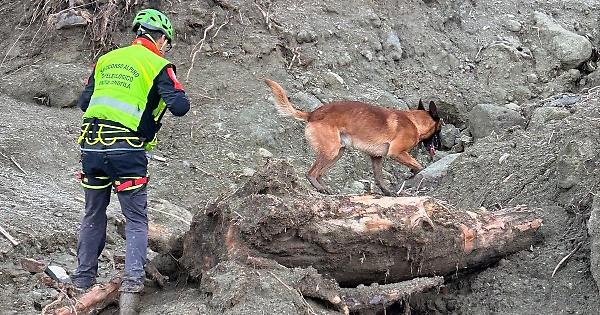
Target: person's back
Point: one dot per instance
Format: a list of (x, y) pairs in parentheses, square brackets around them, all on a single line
[(124, 101)]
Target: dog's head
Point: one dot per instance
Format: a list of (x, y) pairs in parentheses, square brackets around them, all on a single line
[(432, 142)]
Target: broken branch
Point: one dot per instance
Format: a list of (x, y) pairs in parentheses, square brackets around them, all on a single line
[(8, 236), (565, 259)]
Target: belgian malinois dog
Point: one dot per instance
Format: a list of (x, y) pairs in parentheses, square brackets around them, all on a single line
[(378, 131)]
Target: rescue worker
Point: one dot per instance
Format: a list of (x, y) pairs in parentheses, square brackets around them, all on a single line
[(124, 100)]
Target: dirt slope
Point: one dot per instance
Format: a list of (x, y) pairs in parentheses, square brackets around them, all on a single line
[(460, 53)]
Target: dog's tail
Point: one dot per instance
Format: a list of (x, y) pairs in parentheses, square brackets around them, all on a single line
[(283, 103)]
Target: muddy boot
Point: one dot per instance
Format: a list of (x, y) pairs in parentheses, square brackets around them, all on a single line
[(129, 303)]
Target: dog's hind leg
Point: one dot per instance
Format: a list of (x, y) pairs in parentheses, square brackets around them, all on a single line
[(319, 168), (326, 144)]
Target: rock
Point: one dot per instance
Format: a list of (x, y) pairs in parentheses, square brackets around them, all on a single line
[(392, 42), (167, 225), (565, 100), (513, 106), (570, 164), (334, 79), (532, 78), (451, 112), (302, 99), (53, 84), (449, 135), (543, 115), (354, 187), (593, 226), (565, 82), (69, 19), (512, 25), (265, 153), (569, 48), (248, 172), (231, 156), (434, 172), (487, 118), (344, 59), (367, 54), (388, 99), (305, 36)]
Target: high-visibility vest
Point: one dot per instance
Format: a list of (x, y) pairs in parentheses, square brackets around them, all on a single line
[(123, 79)]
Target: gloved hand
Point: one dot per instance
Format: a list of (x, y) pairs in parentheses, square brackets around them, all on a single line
[(148, 146)]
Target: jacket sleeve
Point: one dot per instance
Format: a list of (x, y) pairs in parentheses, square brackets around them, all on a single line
[(86, 95), (172, 92)]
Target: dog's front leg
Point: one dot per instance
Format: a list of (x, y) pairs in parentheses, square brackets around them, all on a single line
[(406, 159), (377, 163)]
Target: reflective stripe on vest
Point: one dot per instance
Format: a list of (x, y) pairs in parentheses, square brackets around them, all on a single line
[(118, 105)]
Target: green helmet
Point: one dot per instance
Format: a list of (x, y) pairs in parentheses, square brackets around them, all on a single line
[(153, 20)]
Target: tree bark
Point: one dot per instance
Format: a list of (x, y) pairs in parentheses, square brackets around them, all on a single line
[(353, 239), (98, 298)]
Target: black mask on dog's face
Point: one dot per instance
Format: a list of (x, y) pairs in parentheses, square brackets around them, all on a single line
[(432, 143)]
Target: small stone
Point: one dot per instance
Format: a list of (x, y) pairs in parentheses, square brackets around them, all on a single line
[(355, 187), (503, 158), (393, 42), (333, 79), (305, 37), (248, 172), (303, 98), (513, 25), (344, 59), (367, 54), (532, 78), (265, 153), (231, 156), (513, 106)]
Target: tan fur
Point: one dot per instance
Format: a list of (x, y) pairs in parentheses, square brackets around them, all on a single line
[(375, 130), (283, 103)]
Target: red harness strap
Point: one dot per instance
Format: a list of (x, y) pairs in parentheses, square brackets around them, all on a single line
[(130, 183)]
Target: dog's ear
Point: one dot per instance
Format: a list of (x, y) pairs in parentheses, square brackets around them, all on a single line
[(433, 112), (421, 106)]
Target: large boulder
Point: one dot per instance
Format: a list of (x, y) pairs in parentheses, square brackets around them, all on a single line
[(487, 118), (51, 84), (569, 48), (434, 172)]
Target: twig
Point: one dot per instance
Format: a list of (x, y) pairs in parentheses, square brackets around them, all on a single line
[(14, 162), (221, 26), (296, 55), (280, 281), (419, 186), (55, 302), (8, 236), (565, 259), (201, 44), (308, 307), (401, 188)]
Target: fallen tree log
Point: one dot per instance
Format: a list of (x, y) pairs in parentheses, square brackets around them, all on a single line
[(97, 298), (353, 239)]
